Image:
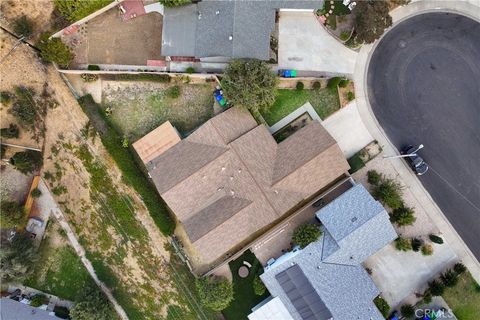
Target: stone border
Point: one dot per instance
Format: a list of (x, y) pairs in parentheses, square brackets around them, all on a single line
[(306, 108), (373, 126)]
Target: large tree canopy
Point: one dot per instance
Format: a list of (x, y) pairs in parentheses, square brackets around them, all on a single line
[(94, 306), (54, 50), (11, 214), (306, 234), (17, 259), (215, 293), (371, 20), (250, 84)]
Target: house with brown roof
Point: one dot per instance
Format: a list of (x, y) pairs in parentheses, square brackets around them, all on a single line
[(230, 181)]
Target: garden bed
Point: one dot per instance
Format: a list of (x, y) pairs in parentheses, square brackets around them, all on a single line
[(464, 298), (325, 101), (292, 127)]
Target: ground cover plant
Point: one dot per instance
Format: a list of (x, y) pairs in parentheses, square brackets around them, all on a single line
[(75, 10), (464, 298)]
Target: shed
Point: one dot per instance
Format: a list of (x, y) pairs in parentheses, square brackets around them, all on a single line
[(157, 142)]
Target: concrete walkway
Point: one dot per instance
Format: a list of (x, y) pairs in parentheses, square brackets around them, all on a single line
[(364, 108), (347, 128), (58, 214), (304, 44)]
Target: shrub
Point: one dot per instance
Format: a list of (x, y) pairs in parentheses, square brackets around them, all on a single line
[(356, 163), (61, 312), (389, 192), (11, 132), (343, 83), (174, 3), (17, 258), (371, 19), (382, 306), (12, 214), (75, 10), (350, 96), (416, 244), (24, 107), (6, 97), (407, 310), (427, 249), (299, 86), (403, 244), (36, 193), (214, 293), (93, 67), (435, 239), (89, 77), (3, 150), (250, 84), (333, 82), (27, 161), (374, 177), (459, 268), (316, 85), (190, 70), (306, 234), (258, 286), (38, 300), (427, 297), (449, 278), (403, 216), (436, 288), (54, 50), (344, 35), (173, 92), (23, 26)]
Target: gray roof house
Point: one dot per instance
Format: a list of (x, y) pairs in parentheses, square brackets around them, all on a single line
[(14, 310), (325, 280), (219, 28)]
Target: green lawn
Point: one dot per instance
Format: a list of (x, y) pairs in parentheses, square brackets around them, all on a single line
[(464, 298), (244, 297), (60, 272), (325, 101)]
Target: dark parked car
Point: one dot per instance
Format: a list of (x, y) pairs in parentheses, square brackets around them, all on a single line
[(415, 161)]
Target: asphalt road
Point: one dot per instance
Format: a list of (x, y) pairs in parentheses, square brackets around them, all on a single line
[(424, 87)]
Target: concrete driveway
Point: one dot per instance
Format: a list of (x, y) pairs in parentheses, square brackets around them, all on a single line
[(305, 45), (348, 129), (399, 274)]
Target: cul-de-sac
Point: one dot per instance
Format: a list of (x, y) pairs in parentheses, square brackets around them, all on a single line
[(240, 159)]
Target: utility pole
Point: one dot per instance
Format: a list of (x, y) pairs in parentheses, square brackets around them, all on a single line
[(411, 154)]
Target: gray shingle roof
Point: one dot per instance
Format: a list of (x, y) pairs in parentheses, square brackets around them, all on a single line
[(14, 310), (341, 282), (204, 29)]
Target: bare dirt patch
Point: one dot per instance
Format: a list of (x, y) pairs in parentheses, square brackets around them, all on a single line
[(107, 39)]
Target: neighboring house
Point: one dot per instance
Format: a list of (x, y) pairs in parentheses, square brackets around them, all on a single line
[(228, 29), (326, 280), (13, 310), (229, 181)]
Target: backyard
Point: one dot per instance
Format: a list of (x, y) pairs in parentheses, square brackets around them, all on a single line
[(464, 298), (244, 297), (325, 101), (139, 107)]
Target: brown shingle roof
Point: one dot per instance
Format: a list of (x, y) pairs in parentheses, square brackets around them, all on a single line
[(156, 142), (229, 179)]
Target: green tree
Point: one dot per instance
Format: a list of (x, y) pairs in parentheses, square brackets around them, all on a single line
[(54, 50), (24, 107), (435, 239), (75, 10), (407, 310), (174, 3), (459, 268), (17, 259), (12, 214), (11, 132), (258, 286), (38, 300), (389, 192), (427, 297), (371, 20), (215, 293), (27, 161), (250, 84), (403, 244), (94, 306), (306, 234), (403, 216), (23, 26), (449, 278), (436, 288), (374, 177)]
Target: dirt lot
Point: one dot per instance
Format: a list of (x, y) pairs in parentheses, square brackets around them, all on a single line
[(107, 39), (113, 225), (147, 106)]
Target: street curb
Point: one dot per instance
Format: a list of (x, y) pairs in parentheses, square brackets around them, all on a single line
[(373, 126)]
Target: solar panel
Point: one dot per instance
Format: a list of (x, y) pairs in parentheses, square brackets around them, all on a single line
[(302, 295)]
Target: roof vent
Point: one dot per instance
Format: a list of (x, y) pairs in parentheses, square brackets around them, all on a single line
[(223, 168), (220, 189), (239, 170), (231, 177), (354, 219), (204, 176), (230, 38), (276, 191), (217, 12), (232, 192), (199, 15)]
